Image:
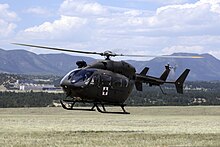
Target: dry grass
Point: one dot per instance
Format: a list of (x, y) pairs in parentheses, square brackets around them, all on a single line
[(145, 126)]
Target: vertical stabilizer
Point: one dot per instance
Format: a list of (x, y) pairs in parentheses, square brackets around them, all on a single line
[(165, 74), (179, 82), (144, 71)]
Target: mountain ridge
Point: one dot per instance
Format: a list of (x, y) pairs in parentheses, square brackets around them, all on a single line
[(25, 62)]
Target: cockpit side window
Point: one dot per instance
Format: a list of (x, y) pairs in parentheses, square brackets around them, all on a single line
[(88, 74), (80, 75), (95, 80), (72, 74)]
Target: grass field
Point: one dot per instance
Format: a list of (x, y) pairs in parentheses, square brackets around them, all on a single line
[(145, 126)]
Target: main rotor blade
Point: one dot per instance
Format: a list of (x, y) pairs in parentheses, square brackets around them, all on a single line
[(58, 49), (162, 56), (107, 53)]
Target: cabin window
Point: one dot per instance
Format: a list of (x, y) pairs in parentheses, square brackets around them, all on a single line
[(106, 80), (117, 83), (95, 80), (125, 83)]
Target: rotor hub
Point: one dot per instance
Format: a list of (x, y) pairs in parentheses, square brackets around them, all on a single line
[(109, 54)]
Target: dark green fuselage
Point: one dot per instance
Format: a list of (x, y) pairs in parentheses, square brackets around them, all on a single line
[(104, 81)]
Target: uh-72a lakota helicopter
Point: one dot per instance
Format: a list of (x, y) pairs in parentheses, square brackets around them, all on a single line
[(108, 82)]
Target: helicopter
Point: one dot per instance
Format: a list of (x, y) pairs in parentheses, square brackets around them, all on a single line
[(108, 82)]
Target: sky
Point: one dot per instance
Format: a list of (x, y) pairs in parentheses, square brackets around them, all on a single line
[(143, 27)]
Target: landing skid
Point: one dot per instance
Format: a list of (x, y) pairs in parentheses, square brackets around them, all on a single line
[(68, 105), (104, 110)]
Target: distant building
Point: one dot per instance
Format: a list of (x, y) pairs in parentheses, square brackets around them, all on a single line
[(27, 87), (40, 87)]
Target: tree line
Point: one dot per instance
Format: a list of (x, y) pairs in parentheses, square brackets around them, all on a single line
[(28, 99), (197, 93)]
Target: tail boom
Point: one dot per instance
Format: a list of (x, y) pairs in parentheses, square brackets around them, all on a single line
[(154, 81)]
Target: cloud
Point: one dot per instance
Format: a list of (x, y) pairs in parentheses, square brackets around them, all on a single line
[(93, 20), (38, 11), (65, 23), (6, 13), (72, 7), (196, 18), (56, 29), (7, 19), (175, 27), (163, 2), (183, 49)]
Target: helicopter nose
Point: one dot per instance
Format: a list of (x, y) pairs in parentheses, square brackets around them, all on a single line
[(66, 84)]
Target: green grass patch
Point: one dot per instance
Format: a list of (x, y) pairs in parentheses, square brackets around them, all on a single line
[(146, 126)]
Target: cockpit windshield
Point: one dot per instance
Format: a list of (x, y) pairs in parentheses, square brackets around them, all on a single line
[(80, 75)]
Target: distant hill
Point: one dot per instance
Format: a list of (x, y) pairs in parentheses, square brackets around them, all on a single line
[(25, 62), (204, 69), (22, 61)]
